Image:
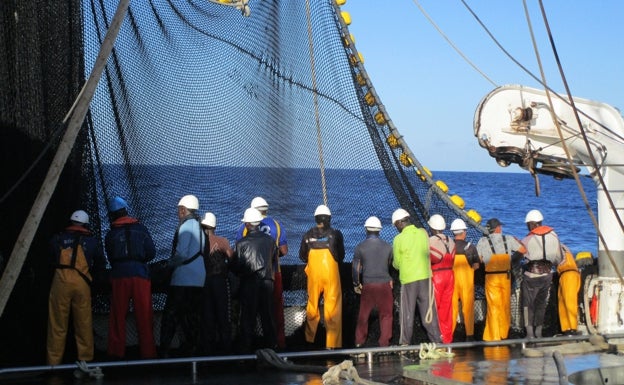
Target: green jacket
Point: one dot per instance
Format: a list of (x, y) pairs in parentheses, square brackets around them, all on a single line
[(411, 254)]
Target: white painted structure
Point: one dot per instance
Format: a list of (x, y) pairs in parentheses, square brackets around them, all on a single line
[(516, 124)]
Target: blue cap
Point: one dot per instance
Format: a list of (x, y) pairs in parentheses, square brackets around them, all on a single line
[(117, 203)]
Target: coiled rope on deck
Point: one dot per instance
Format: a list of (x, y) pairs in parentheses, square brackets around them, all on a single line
[(331, 376), (429, 351), (345, 370)]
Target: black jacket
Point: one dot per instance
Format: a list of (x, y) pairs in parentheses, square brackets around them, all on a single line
[(254, 255), (317, 238)]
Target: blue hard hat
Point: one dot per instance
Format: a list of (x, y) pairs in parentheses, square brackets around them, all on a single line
[(117, 203)]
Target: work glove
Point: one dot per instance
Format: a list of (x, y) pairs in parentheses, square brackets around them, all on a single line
[(357, 289)]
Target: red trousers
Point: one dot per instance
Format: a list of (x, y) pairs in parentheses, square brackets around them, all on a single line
[(375, 295), (444, 285), (140, 291)]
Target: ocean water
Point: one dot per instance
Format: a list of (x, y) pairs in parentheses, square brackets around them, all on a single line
[(356, 194)]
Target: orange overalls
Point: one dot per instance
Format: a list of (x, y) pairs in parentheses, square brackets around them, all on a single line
[(569, 285)]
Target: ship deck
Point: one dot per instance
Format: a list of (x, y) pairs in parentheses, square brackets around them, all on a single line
[(506, 362)]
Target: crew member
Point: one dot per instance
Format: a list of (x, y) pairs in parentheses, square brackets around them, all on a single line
[(372, 260), (442, 255), (465, 263), (183, 303), (129, 247), (76, 255), (272, 227), (569, 285), (216, 326), (410, 250), (254, 256), (322, 250), (495, 250), (544, 250)]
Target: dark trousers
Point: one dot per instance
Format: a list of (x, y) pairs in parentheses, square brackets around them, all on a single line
[(535, 294), (182, 307), (216, 321), (375, 295), (256, 298)]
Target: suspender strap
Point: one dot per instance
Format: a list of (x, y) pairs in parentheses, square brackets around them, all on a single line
[(492, 244)]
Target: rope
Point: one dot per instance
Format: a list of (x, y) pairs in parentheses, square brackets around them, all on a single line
[(346, 371), (84, 371), (428, 351), (429, 314), (474, 66), (317, 119), (332, 376)]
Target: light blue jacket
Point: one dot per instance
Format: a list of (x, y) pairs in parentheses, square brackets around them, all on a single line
[(191, 240)]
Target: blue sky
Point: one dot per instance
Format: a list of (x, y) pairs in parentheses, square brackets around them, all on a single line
[(431, 93)]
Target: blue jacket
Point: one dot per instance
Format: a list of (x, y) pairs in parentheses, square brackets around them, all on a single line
[(129, 247)]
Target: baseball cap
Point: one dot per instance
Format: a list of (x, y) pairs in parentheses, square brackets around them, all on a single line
[(492, 224)]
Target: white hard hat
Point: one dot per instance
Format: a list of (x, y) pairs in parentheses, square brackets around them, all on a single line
[(259, 203), (209, 220), (80, 216), (437, 222), (534, 216), (190, 202), (373, 224), (458, 225), (399, 214), (252, 216), (322, 210)]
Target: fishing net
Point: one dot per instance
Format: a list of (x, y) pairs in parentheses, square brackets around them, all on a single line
[(198, 99)]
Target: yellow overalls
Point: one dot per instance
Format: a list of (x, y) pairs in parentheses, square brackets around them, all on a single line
[(569, 285), (324, 277), (464, 292), (498, 297), (70, 294)]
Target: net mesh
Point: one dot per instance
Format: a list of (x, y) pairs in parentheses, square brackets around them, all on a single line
[(198, 99)]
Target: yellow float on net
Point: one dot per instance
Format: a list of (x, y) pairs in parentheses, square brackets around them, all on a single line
[(406, 160), (442, 186), (380, 118), (340, 3), (392, 141), (346, 17), (369, 98), (426, 171), (458, 201), (360, 79), (474, 215)]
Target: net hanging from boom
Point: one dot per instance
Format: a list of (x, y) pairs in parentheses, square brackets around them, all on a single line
[(197, 99)]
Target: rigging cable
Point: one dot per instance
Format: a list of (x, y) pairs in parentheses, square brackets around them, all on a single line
[(537, 79), (585, 140), (453, 45), (316, 108)]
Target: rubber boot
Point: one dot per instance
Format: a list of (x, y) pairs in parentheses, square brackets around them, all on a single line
[(529, 332), (538, 331)]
